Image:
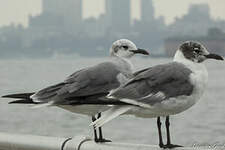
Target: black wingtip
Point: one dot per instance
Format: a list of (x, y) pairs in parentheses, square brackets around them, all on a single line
[(5, 96), (20, 95), (13, 102), (22, 102)]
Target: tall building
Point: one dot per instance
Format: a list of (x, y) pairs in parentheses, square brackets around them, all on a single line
[(201, 10), (69, 10), (52, 7), (73, 15), (118, 15), (147, 11), (196, 22), (108, 13)]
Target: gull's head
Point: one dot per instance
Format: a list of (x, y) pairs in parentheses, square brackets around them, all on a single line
[(196, 52), (125, 48)]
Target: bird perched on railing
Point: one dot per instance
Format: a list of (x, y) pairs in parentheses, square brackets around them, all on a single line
[(88, 86), (164, 90)]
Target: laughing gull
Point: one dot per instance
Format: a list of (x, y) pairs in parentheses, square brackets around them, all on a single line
[(164, 90), (87, 85)]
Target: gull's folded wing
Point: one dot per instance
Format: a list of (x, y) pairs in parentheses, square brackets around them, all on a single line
[(156, 84), (99, 79)]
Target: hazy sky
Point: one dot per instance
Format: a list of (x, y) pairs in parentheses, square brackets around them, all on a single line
[(17, 11)]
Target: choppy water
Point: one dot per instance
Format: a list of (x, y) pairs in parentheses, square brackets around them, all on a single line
[(203, 123)]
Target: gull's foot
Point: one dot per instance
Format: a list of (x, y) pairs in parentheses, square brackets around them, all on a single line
[(161, 145), (169, 146), (102, 140)]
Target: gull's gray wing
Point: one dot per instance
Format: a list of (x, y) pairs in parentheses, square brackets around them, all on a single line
[(96, 80), (140, 71), (156, 84)]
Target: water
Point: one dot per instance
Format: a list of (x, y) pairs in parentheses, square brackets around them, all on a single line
[(202, 124)]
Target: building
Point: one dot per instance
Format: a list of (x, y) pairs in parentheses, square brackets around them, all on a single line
[(118, 13), (147, 11), (59, 12), (196, 22)]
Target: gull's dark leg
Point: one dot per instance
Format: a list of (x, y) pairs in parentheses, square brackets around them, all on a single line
[(167, 123), (161, 145), (95, 132), (169, 145), (100, 128), (101, 139)]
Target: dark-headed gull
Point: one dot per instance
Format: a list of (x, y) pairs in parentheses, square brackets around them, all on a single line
[(164, 90)]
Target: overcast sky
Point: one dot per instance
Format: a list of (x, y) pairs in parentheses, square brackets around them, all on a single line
[(17, 11)]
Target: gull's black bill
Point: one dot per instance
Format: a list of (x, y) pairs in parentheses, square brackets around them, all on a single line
[(140, 51), (214, 56)]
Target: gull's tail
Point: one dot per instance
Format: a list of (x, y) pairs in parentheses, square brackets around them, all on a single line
[(23, 98), (110, 114)]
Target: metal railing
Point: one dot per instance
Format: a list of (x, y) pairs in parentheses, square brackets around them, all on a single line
[(33, 142)]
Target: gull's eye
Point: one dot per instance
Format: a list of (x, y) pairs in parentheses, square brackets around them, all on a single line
[(196, 50), (125, 47)]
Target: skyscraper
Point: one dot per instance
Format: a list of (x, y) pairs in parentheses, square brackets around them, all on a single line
[(72, 14), (147, 11), (69, 10), (200, 10), (118, 15), (52, 7)]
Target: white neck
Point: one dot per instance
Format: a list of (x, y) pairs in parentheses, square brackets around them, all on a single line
[(179, 57), (128, 60), (124, 63)]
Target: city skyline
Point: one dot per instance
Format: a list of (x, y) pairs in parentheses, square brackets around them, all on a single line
[(61, 28), (20, 16)]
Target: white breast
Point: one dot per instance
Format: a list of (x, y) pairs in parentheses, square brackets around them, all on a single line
[(199, 78)]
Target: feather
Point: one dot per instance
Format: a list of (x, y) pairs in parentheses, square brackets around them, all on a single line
[(43, 105), (110, 114)]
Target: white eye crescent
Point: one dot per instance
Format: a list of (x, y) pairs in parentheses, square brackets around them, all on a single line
[(196, 48)]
